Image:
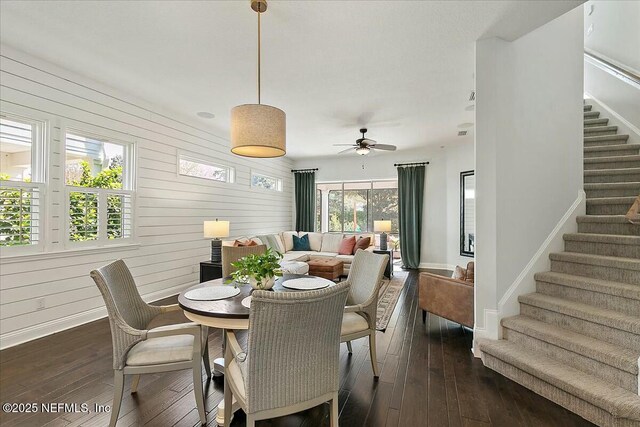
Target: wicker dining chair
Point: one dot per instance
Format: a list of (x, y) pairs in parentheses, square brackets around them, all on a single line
[(140, 350), (234, 253), (293, 350), (365, 279)]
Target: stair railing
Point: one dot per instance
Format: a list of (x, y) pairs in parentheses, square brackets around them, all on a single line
[(613, 69)]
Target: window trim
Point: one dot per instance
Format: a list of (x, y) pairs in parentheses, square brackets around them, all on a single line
[(129, 186), (231, 171), (279, 182), (40, 174)]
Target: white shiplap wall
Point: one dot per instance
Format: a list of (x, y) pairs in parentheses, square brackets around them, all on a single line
[(169, 211)]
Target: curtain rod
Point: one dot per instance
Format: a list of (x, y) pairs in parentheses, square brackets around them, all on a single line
[(410, 164), (304, 170)]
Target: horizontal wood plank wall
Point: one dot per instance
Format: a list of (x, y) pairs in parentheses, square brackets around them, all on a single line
[(169, 209)]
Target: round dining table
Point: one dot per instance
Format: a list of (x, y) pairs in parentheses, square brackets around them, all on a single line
[(226, 314)]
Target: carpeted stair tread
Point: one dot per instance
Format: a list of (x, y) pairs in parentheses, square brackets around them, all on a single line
[(603, 238), (624, 200), (599, 260), (609, 219), (619, 289), (612, 186), (598, 138), (610, 354), (586, 312), (591, 114), (623, 171), (615, 400), (616, 147), (595, 122), (587, 107), (600, 129)]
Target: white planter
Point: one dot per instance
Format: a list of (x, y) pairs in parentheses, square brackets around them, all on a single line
[(265, 284)]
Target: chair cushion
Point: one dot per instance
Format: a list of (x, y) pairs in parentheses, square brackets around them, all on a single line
[(352, 323), (301, 243), (236, 374), (155, 351), (347, 245), (295, 256)]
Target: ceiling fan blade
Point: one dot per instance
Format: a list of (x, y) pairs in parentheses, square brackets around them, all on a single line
[(386, 147), (347, 150), (344, 145), (369, 141)]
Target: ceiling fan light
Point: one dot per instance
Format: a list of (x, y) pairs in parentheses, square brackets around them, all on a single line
[(363, 150)]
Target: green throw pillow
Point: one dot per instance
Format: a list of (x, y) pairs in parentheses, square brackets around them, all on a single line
[(301, 243)]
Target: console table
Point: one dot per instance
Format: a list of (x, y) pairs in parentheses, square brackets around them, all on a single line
[(388, 271)]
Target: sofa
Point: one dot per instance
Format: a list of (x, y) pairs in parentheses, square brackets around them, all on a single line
[(322, 245), (448, 297)]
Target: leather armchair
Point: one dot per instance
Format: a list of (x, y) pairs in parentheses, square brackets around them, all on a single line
[(447, 297)]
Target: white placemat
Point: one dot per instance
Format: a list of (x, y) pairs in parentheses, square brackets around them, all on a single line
[(246, 302), (211, 293), (307, 283)]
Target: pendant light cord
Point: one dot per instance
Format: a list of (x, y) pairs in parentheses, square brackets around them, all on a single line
[(259, 13)]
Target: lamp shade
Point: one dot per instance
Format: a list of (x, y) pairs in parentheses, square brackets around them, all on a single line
[(216, 229), (382, 226), (258, 130)]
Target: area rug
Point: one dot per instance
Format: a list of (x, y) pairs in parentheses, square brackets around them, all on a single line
[(388, 298)]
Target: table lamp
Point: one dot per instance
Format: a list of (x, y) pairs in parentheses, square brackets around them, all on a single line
[(382, 227), (215, 230)]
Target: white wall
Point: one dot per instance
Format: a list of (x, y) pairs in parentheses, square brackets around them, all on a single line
[(612, 32), (441, 212), (169, 209), (528, 151), (612, 29)]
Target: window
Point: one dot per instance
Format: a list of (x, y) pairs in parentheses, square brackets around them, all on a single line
[(22, 177), (266, 182), (99, 181), (318, 225), (190, 166), (353, 206)]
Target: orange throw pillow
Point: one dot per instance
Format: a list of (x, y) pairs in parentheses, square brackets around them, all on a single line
[(346, 246), (362, 243)]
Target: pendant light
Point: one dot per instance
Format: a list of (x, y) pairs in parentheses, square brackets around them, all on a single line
[(258, 130)]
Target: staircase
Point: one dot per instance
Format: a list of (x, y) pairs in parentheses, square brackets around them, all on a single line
[(577, 338)]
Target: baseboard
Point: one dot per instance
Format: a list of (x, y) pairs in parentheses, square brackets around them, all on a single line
[(20, 336), (525, 282), (436, 266), (490, 330)]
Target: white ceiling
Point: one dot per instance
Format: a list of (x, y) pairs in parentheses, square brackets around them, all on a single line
[(402, 68)]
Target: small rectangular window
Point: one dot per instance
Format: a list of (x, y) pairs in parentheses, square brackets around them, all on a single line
[(198, 168), (22, 176), (265, 181), (99, 179)]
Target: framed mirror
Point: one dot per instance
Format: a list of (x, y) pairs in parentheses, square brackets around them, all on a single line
[(467, 213)]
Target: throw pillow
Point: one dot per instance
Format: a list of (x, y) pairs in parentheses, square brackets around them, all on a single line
[(347, 245), (460, 273), (362, 243), (470, 272), (301, 243)]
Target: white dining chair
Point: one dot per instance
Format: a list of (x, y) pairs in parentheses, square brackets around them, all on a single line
[(365, 279), (138, 350), (291, 361)]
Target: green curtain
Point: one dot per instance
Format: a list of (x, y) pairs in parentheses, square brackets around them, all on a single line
[(410, 197), (305, 200)]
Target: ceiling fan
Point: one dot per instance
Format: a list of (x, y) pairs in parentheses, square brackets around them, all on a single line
[(365, 145)]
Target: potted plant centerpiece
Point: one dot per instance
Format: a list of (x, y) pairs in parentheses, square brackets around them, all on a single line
[(259, 270)]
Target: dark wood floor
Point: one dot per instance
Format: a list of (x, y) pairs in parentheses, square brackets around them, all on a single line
[(428, 378)]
